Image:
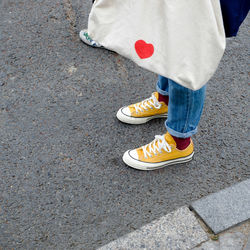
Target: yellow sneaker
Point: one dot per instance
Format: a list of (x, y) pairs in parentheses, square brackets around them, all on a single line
[(143, 111), (160, 153)]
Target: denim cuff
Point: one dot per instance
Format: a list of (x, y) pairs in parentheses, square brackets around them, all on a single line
[(179, 134), (162, 92)]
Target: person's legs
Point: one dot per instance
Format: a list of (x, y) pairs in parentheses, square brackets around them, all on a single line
[(162, 86), (185, 108), (184, 115)]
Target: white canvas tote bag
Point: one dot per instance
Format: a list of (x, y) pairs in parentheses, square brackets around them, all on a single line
[(183, 40)]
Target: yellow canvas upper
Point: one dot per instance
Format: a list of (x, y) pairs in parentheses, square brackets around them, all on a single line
[(149, 111), (166, 156)]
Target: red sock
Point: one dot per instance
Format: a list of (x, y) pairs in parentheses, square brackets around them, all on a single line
[(163, 98), (182, 143)]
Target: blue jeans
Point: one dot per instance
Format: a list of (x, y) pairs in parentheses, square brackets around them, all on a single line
[(184, 108)]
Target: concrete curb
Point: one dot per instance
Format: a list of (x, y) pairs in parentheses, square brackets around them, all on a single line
[(181, 229), (177, 230), (226, 208)]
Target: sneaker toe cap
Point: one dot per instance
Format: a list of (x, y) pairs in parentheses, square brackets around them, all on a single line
[(133, 154), (126, 111), (130, 158)]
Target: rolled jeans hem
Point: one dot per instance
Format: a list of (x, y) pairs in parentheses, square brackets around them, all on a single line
[(179, 134), (162, 92)]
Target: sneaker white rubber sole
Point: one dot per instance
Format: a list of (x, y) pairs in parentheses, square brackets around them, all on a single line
[(133, 163), (136, 120)]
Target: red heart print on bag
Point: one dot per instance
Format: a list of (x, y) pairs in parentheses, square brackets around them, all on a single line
[(144, 50)]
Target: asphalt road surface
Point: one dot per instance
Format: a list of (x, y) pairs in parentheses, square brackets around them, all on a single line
[(63, 184)]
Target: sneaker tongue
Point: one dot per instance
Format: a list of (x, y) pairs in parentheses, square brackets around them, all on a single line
[(169, 139), (156, 94)]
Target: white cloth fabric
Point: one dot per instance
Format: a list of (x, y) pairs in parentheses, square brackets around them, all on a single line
[(183, 40)]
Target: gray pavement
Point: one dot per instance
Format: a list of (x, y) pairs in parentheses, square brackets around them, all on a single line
[(62, 180)]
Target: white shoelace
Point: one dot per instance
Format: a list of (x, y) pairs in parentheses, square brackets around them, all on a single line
[(147, 103), (152, 147)]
